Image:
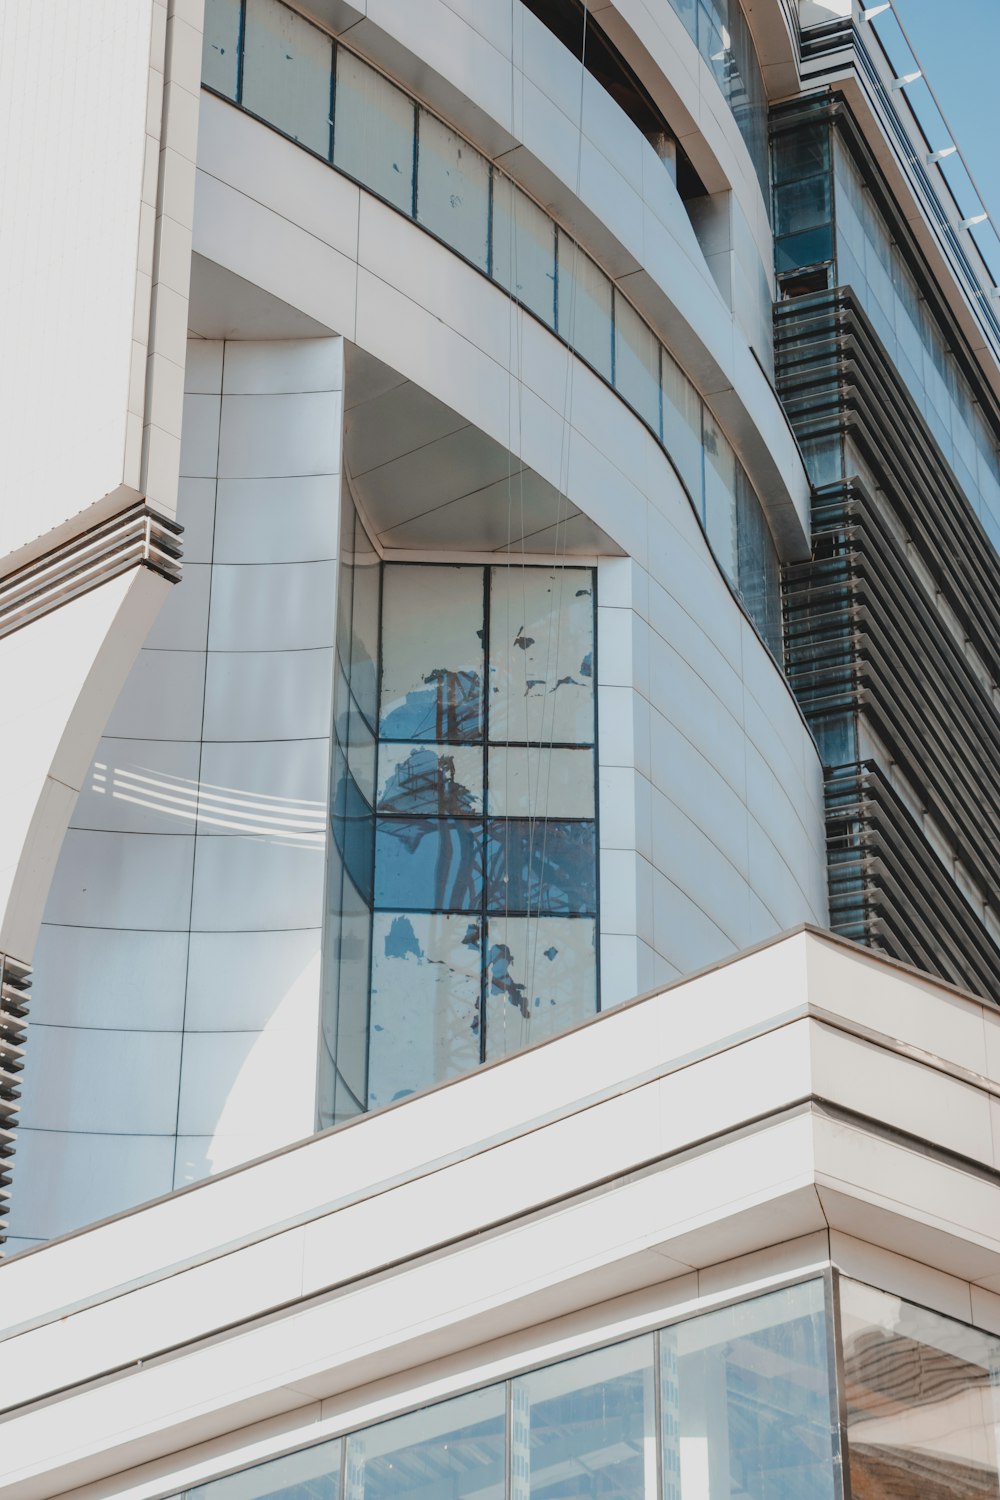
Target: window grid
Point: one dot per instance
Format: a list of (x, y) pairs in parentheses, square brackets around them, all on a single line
[(747, 589), (484, 912)]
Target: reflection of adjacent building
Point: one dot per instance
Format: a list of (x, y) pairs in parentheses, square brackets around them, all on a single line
[(442, 1079)]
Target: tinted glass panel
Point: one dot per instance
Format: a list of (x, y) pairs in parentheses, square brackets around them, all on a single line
[(539, 782), (424, 1003), (220, 46), (428, 864), (430, 780), (445, 1452), (453, 190), (541, 655), (808, 249), (584, 306), (374, 131), (923, 1400), (541, 976), (524, 249), (361, 755), (637, 363), (287, 73), (800, 205), (587, 1427), (432, 677), (540, 865)]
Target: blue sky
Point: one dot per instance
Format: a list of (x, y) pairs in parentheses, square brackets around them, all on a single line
[(958, 44)]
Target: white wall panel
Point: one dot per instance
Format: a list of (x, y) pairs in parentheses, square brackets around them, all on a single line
[(177, 983)]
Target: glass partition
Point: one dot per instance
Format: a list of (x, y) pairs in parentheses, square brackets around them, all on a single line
[(283, 68)]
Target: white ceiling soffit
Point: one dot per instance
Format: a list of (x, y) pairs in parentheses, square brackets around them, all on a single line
[(428, 480)]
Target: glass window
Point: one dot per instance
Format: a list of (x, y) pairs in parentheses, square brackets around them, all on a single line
[(747, 1401), (538, 865), (524, 249), (374, 131), (220, 56), (288, 73), (313, 1474), (541, 976), (682, 426), (444, 1452), (586, 1428), (351, 957), (809, 249), (583, 305), (801, 205), (453, 190), (802, 152), (720, 496), (425, 988), (361, 754), (923, 1400), (759, 571), (541, 655), (364, 626), (441, 781), (430, 864), (353, 816), (637, 363), (432, 677), (539, 782)]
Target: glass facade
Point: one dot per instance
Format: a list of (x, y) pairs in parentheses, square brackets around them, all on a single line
[(272, 62), (463, 878), (736, 1404), (825, 214), (923, 1400), (754, 1401)]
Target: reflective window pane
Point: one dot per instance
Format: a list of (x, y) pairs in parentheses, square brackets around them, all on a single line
[(220, 61), (583, 305), (453, 190), (430, 780), (364, 626), (802, 205), (351, 954), (428, 864), (538, 865), (374, 131), (541, 976), (288, 73), (637, 363), (541, 655), (720, 495), (432, 677), (923, 1400), (539, 782), (361, 754), (524, 249), (682, 426), (313, 1474), (747, 1402), (759, 570), (444, 1452), (586, 1428), (425, 988)]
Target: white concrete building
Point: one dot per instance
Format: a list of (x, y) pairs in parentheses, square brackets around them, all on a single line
[(580, 424)]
